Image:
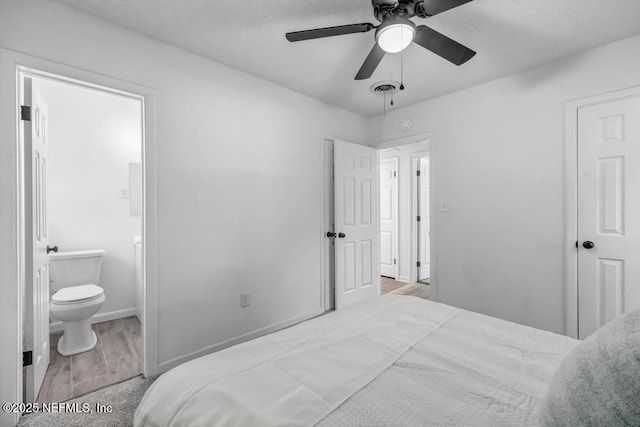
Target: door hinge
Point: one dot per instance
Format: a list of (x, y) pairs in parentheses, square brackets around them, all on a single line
[(418, 218), (27, 358), (417, 173), (394, 174), (25, 113), (418, 264), (394, 261)]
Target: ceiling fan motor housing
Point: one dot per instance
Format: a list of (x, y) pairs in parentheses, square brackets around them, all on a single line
[(420, 11), (383, 10)]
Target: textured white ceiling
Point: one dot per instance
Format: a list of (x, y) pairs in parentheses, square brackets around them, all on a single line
[(509, 36)]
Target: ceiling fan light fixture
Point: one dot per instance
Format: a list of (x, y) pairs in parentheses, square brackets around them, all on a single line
[(395, 34)]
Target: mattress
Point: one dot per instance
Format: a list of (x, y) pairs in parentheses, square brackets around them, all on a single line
[(393, 360)]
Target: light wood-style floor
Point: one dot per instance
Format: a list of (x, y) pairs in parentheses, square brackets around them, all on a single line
[(391, 286), (116, 357)]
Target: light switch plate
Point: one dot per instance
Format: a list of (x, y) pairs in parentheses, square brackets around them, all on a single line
[(245, 299)]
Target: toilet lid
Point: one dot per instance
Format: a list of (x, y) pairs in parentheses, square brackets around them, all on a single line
[(77, 294)]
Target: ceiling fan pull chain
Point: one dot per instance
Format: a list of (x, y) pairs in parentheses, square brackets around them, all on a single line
[(385, 105), (402, 70), (401, 64), (392, 62)]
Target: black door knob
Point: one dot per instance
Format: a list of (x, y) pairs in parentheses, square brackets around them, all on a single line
[(331, 234), (52, 249), (342, 235), (588, 245)]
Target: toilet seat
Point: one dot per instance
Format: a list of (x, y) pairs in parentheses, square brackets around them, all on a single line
[(77, 294)]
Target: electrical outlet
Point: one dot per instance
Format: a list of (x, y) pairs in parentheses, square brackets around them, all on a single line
[(245, 299), (443, 206)]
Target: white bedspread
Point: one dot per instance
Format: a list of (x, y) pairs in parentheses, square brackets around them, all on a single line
[(473, 371), (296, 376)]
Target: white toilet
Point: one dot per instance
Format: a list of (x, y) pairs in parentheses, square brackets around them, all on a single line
[(74, 276)]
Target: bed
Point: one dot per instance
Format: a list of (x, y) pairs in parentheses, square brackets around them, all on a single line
[(393, 360)]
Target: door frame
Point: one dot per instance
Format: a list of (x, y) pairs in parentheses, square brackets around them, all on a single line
[(14, 65), (430, 138), (415, 158), (571, 200), (394, 243), (327, 250)]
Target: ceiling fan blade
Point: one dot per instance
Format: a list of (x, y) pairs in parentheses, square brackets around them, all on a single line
[(434, 7), (442, 45), (318, 33), (371, 63)]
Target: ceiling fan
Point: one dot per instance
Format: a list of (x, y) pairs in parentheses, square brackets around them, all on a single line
[(396, 31)]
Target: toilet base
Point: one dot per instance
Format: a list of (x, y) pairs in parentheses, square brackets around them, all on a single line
[(78, 337)]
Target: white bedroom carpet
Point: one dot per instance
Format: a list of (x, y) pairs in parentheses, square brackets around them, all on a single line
[(123, 397)]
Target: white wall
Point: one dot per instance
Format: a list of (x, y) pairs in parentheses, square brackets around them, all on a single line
[(406, 211), (238, 176), (499, 167), (93, 137)]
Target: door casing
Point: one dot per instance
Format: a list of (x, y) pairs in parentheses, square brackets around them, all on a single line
[(14, 65), (327, 251), (394, 208), (415, 225), (571, 201)]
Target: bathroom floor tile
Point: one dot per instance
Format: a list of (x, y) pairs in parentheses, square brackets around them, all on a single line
[(88, 365), (123, 368), (91, 384), (110, 327), (54, 356), (116, 345), (56, 385), (116, 357), (133, 328)]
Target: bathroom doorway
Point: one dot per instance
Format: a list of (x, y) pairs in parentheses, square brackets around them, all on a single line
[(84, 193)]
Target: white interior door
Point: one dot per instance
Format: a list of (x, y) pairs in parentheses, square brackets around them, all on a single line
[(608, 212), (389, 217), (36, 320), (425, 221), (357, 265)]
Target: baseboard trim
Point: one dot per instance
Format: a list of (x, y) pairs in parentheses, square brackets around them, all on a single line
[(165, 366), (97, 318)]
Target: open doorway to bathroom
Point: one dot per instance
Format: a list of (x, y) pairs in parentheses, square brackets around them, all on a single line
[(405, 244), (83, 203)]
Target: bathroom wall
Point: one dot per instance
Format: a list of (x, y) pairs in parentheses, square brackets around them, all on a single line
[(93, 137)]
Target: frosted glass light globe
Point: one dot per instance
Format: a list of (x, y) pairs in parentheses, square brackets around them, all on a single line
[(394, 38)]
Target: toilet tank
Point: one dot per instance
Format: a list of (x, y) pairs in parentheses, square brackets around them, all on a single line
[(75, 268)]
